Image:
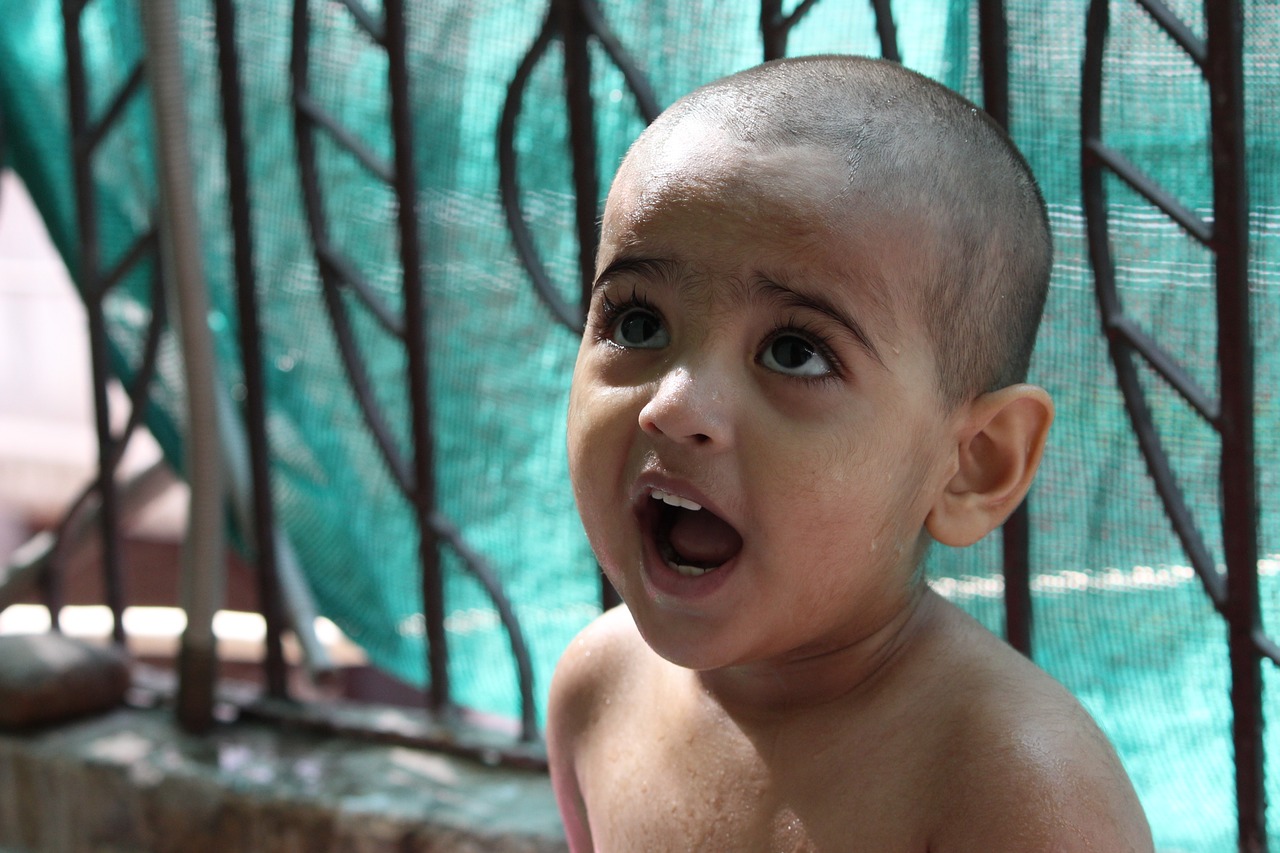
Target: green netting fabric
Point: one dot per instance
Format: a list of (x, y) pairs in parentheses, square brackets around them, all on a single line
[(1119, 617)]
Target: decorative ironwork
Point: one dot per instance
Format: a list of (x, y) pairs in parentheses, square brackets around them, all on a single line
[(87, 136), (414, 475), (1235, 593), (775, 27), (250, 337), (574, 22)]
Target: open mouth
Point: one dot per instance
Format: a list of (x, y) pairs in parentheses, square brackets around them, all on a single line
[(691, 539)]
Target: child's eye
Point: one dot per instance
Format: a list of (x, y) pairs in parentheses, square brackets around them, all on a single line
[(639, 328), (792, 355)]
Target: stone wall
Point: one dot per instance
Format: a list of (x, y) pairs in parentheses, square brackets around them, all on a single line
[(131, 781)]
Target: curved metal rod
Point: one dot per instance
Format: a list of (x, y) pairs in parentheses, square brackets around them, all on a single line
[(1096, 219), (631, 74), (480, 569), (416, 487), (313, 205), (509, 189), (363, 388)]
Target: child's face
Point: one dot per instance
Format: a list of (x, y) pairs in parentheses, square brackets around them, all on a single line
[(746, 351)]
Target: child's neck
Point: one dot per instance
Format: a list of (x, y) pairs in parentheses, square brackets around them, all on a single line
[(781, 689)]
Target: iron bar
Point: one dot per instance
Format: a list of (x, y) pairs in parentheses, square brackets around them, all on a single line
[(367, 22), (319, 116), (1166, 483), (450, 534), (345, 274), (1236, 595), (1240, 511), (993, 50), (140, 248), (1120, 165), (1177, 30), (582, 142), (1093, 195), (402, 727), (88, 275), (509, 189), (1266, 646), (138, 398), (1015, 533), (885, 29), (250, 339), (103, 126), (415, 339), (313, 205), (631, 74), (362, 387), (1164, 364), (775, 27)]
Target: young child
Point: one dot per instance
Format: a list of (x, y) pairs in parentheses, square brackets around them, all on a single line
[(818, 287)]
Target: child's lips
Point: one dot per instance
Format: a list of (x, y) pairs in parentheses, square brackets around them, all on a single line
[(683, 532)]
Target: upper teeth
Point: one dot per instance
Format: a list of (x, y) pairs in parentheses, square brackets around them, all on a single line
[(673, 500)]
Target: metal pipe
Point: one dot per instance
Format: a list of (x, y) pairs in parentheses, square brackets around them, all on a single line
[(203, 577)]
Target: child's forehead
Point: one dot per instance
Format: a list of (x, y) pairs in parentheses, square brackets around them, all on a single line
[(698, 163), (731, 218)]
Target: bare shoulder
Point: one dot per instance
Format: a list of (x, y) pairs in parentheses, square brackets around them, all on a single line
[(603, 656), (605, 652), (1029, 769)]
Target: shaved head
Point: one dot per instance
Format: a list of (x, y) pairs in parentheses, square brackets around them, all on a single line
[(935, 168)]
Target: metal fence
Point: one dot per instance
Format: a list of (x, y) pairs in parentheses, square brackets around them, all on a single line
[(577, 25)]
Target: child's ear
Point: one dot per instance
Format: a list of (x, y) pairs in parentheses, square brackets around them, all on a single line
[(1000, 440)]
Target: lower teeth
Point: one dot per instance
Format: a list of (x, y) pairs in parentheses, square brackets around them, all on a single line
[(688, 571)]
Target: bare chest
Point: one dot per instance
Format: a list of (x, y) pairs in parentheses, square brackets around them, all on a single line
[(673, 788)]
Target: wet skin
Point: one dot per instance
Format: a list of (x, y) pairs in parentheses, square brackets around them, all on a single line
[(750, 351), (745, 350)]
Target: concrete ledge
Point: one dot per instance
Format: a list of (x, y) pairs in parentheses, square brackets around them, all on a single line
[(131, 781)]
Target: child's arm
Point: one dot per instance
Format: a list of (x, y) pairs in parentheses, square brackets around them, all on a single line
[(578, 712), (570, 694)]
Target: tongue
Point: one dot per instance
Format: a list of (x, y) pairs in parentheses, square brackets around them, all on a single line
[(702, 539)]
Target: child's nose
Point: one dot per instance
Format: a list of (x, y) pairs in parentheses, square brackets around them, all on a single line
[(688, 411)]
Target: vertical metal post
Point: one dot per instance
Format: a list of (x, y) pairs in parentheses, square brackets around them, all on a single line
[(90, 277), (1225, 75), (582, 138), (203, 576), (415, 337), (773, 29), (993, 45), (250, 344)]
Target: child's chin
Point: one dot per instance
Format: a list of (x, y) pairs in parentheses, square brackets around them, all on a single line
[(695, 652)]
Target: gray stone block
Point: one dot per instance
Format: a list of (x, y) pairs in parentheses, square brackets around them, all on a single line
[(45, 678)]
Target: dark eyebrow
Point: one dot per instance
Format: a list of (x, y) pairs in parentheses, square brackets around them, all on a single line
[(790, 298), (660, 269)]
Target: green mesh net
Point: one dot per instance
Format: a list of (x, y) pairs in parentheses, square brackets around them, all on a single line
[(1119, 617)]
